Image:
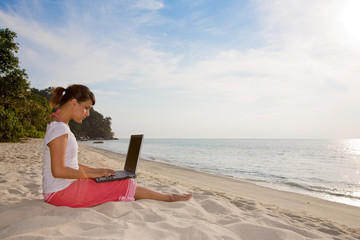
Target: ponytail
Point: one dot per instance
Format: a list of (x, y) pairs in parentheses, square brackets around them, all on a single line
[(76, 91), (57, 94)]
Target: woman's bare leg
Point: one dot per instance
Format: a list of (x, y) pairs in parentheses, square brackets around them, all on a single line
[(145, 193)]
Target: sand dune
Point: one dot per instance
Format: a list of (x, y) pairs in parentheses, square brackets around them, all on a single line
[(221, 208)]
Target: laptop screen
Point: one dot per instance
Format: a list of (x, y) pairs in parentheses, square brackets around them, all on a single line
[(133, 153)]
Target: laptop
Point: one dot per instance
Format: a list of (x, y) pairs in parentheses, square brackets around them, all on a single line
[(131, 161)]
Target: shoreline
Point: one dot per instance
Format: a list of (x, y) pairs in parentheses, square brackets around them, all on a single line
[(338, 212), (221, 207)]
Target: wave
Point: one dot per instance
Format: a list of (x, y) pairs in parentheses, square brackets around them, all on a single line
[(323, 190)]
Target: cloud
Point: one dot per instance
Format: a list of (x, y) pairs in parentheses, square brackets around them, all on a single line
[(107, 93), (148, 4), (299, 51), (77, 52), (299, 69)]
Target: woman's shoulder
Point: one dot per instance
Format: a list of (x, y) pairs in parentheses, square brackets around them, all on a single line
[(56, 129), (57, 125)]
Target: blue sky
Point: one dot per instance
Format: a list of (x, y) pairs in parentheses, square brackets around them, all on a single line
[(201, 69)]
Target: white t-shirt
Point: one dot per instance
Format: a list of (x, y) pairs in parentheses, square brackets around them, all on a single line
[(54, 130)]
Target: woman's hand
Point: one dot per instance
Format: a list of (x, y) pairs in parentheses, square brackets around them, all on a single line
[(95, 172), (101, 172)]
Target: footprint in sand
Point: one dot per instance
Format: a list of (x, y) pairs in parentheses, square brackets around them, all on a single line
[(245, 205), (14, 191)]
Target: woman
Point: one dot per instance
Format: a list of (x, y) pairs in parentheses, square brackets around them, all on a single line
[(65, 181)]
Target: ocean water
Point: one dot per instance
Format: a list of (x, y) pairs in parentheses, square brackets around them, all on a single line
[(327, 169)]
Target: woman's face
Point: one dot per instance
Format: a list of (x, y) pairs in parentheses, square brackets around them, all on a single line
[(82, 110)]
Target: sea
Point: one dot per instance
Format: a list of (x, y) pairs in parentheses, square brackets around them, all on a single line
[(326, 169)]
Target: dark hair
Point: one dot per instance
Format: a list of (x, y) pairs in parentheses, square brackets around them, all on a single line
[(76, 91)]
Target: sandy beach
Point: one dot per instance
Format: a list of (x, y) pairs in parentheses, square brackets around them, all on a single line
[(221, 208)]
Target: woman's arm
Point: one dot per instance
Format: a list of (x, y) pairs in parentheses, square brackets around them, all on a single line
[(85, 168), (58, 168)]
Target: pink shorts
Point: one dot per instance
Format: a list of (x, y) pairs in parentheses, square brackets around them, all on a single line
[(87, 193)]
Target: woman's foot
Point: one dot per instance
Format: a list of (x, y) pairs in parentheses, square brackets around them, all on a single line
[(179, 197)]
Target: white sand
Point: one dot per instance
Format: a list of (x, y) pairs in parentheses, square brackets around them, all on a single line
[(222, 208)]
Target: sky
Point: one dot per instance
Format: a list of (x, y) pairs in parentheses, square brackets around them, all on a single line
[(200, 69)]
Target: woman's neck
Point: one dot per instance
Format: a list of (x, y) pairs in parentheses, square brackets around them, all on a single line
[(61, 116)]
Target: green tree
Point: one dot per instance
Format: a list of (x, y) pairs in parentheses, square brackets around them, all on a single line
[(13, 80), (11, 129), (44, 92), (22, 113), (8, 48)]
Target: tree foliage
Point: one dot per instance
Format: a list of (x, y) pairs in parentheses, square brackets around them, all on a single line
[(21, 113), (8, 48)]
